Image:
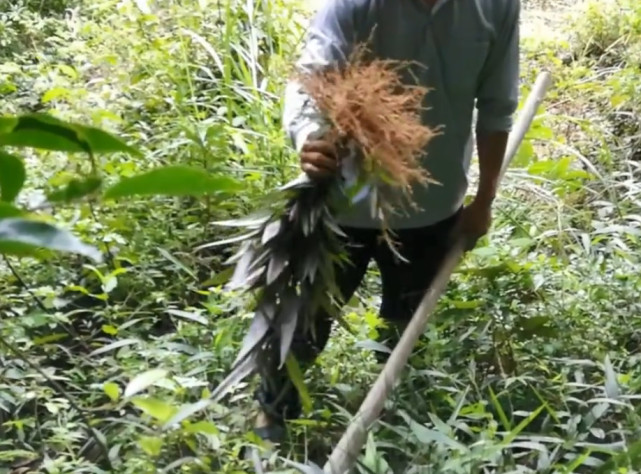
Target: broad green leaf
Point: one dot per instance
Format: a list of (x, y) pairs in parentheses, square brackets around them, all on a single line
[(18, 235), (48, 339), (157, 409), (173, 181), (186, 411), (203, 427), (141, 381), (8, 210), (151, 445), (12, 176), (112, 390), (109, 329), (17, 454), (524, 156), (472, 304), (45, 132), (55, 93), (68, 71), (76, 189)]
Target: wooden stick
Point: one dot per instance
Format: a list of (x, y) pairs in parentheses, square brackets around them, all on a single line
[(347, 451)]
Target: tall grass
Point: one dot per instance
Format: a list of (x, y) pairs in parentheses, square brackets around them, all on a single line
[(529, 366)]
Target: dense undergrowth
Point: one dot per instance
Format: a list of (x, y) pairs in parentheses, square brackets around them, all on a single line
[(531, 364)]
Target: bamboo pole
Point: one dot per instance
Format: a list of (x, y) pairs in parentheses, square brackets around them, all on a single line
[(347, 450)]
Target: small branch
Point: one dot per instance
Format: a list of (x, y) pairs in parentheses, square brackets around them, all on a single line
[(24, 285), (70, 329), (90, 431), (110, 256)]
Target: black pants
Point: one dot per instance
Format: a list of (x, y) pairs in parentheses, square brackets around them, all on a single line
[(404, 284)]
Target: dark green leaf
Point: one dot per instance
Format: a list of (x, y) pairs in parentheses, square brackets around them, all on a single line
[(12, 176), (76, 189), (331, 225), (244, 247), (103, 142), (173, 181), (534, 326), (236, 375), (241, 272), (49, 133), (310, 266), (271, 231), (254, 279), (277, 264), (17, 235), (255, 335), (289, 318), (177, 262), (252, 220), (296, 376), (231, 240)]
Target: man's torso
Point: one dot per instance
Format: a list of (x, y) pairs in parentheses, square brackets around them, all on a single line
[(448, 44)]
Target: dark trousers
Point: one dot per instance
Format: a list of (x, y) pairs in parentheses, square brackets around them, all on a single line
[(403, 283)]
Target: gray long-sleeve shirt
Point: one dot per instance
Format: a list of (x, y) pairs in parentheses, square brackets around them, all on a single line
[(467, 54)]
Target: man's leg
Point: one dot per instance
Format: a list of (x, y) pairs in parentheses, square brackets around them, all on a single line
[(405, 283), (278, 398)]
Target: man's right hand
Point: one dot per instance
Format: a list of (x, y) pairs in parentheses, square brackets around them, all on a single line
[(319, 159)]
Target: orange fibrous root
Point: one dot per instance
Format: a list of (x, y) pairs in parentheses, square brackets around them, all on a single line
[(367, 103)]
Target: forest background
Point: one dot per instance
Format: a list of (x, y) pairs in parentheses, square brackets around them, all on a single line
[(531, 363)]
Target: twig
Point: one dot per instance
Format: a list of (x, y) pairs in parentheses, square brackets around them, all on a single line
[(70, 329), (91, 432), (24, 285)]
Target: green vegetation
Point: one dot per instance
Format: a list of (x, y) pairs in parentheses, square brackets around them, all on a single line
[(530, 365)]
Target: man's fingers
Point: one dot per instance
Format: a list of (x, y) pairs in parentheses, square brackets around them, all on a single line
[(320, 160), (315, 172), (320, 146)]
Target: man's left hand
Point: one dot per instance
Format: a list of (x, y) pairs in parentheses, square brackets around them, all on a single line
[(475, 222)]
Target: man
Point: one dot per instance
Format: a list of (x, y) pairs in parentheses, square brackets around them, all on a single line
[(468, 54)]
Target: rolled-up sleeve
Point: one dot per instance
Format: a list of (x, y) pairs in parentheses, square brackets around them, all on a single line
[(329, 42), (498, 93)]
